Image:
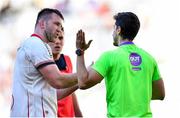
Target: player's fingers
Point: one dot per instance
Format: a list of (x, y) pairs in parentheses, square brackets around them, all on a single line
[(89, 43), (83, 37)]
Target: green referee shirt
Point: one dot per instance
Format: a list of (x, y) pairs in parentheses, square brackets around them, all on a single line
[(128, 72)]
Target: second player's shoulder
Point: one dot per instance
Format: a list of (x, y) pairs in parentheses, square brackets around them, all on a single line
[(66, 56)]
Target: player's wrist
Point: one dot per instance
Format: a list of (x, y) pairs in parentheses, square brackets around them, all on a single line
[(79, 52)]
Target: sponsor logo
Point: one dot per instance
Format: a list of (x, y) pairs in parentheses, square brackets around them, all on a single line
[(135, 60)]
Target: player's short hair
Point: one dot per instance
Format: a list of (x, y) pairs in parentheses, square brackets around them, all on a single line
[(46, 14), (129, 24)]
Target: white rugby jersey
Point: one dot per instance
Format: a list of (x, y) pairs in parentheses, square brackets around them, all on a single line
[(32, 96)]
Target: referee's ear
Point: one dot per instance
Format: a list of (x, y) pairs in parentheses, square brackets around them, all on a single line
[(118, 30)]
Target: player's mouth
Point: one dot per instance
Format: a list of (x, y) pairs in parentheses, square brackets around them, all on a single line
[(57, 47)]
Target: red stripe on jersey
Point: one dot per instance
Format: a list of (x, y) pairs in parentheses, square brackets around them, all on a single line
[(36, 35)]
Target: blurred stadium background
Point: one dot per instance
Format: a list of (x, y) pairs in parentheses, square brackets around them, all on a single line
[(160, 23)]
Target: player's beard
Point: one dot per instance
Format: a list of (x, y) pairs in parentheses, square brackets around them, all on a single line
[(116, 39), (48, 36)]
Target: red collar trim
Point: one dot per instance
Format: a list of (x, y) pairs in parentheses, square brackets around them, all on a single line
[(36, 35)]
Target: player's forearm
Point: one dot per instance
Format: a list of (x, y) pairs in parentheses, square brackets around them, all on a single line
[(62, 93), (56, 79), (60, 81), (67, 80), (82, 72)]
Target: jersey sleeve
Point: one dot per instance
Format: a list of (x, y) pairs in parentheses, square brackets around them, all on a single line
[(156, 73), (40, 54), (102, 64)]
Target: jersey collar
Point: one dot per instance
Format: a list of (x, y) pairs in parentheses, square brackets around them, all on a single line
[(36, 35), (126, 43)]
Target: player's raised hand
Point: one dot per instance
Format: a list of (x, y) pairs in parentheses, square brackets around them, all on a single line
[(81, 42)]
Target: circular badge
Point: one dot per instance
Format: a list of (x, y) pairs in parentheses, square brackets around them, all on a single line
[(135, 59)]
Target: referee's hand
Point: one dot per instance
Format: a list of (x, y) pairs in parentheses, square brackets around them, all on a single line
[(81, 42)]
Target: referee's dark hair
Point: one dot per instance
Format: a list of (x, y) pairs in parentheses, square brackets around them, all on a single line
[(129, 24)]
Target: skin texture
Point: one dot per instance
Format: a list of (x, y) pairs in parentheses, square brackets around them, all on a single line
[(89, 77), (49, 30), (57, 47)]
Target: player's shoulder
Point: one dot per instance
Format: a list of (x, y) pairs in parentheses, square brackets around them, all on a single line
[(67, 57), (112, 52), (32, 42), (147, 54)]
